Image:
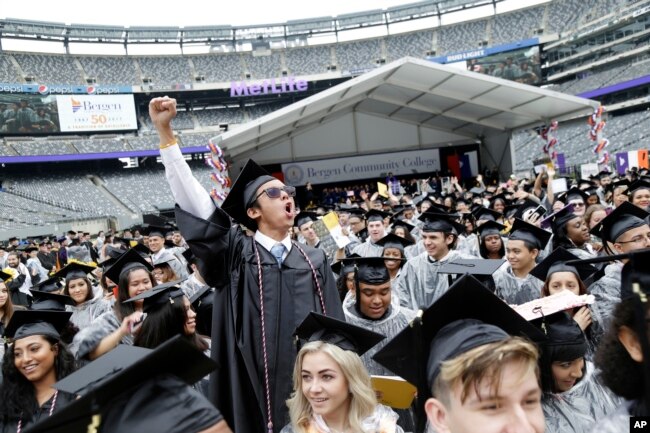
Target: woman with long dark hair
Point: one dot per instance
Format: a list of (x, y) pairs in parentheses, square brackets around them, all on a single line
[(168, 314), (32, 364), (87, 307), (6, 307), (116, 326)]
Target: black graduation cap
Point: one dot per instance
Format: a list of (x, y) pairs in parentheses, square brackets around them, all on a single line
[(52, 284), (560, 218), (478, 267), (197, 298), (153, 230), (159, 295), (376, 215), (242, 193), (490, 228), (483, 213), (358, 212), (75, 270), (30, 248), (43, 300), (129, 260), (102, 382), (557, 262), (572, 194), (438, 222), (391, 240), (25, 323), (562, 331), (565, 342), (501, 197), (347, 336), (510, 210), (343, 268), (370, 270), (522, 231), (621, 182), (304, 217), (625, 217), (401, 223), (639, 184), (467, 316)]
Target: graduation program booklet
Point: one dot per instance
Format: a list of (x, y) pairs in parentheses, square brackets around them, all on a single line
[(393, 391), (329, 232)]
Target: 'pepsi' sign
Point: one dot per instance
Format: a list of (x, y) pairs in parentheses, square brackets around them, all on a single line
[(63, 89)]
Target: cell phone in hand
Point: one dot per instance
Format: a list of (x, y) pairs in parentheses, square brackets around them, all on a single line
[(540, 210), (136, 325)]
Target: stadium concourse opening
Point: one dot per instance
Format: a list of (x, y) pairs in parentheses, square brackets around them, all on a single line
[(405, 105)]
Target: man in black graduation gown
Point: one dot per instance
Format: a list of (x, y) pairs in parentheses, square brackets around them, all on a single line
[(253, 323)]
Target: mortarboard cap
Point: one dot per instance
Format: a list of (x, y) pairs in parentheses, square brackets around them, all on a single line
[(557, 262), (49, 301), (621, 182), (153, 230), (242, 193), (52, 284), (167, 293), (25, 323), (401, 223), (304, 217), (467, 316), (560, 218), (637, 185), (358, 212), (198, 298), (437, 222), (625, 217), (485, 214), (573, 194), (104, 382), (522, 231), (376, 215), (344, 267), (391, 240), (489, 228), (370, 270), (562, 331), (475, 267), (129, 260), (75, 270), (347, 336)]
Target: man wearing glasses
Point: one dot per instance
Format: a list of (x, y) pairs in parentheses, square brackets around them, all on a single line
[(266, 284), (622, 231)]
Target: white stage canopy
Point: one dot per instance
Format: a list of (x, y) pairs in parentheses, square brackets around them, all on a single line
[(409, 104)]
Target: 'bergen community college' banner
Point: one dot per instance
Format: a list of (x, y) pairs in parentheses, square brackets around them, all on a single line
[(96, 113), (361, 167)]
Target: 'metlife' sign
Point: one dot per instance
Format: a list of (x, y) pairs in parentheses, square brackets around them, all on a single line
[(266, 87)]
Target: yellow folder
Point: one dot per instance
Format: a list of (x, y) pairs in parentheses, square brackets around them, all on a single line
[(393, 391)]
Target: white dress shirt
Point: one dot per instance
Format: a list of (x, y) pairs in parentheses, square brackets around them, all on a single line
[(193, 198)]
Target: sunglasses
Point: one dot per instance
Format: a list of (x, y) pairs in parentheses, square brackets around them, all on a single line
[(276, 192)]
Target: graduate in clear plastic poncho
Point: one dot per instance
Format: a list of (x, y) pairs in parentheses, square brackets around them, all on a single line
[(574, 398), (421, 282), (624, 354)]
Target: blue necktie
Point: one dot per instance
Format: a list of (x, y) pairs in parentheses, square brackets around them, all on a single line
[(277, 251)]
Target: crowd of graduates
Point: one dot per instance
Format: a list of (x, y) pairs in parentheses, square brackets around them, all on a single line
[(487, 307)]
